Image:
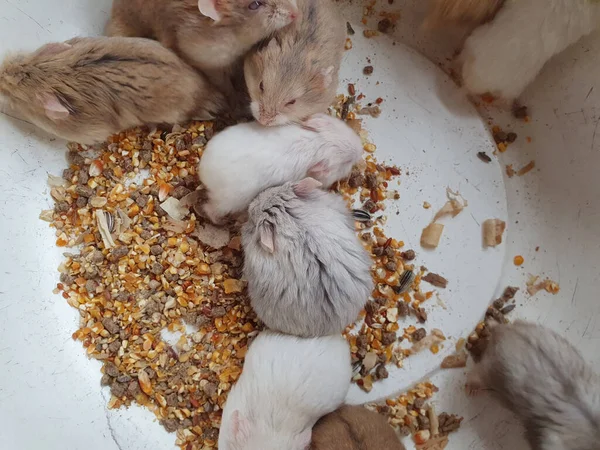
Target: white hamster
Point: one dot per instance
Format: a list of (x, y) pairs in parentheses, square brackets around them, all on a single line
[(505, 55), (287, 384), (245, 159)]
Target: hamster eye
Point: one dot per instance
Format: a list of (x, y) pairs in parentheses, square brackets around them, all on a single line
[(262, 87), (255, 5), (290, 103)]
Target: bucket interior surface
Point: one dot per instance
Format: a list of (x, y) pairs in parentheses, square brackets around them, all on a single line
[(50, 392)]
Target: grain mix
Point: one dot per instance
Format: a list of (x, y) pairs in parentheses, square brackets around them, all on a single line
[(136, 268)]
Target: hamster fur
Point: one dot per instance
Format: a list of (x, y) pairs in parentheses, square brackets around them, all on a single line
[(286, 385), (295, 74), (243, 160), (308, 274), (504, 56), (461, 12), (208, 34), (354, 428), (545, 381), (89, 88)]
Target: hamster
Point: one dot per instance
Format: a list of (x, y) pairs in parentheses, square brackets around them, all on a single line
[(243, 160), (354, 428), (208, 34), (504, 56), (86, 89), (287, 384), (308, 274), (545, 381), (295, 74), (461, 12)]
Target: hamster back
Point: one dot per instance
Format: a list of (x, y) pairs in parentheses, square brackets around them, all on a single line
[(354, 428), (308, 274)]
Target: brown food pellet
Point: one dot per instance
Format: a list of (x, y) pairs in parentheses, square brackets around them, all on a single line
[(157, 268), (436, 280), (419, 403), (351, 89), (511, 137), (385, 25), (403, 309), (500, 136), (520, 112), (421, 315), (419, 334), (84, 191), (388, 338), (118, 253), (381, 372), (356, 179), (498, 303), (368, 70), (408, 255), (423, 422), (111, 325), (509, 293), (391, 266), (371, 307)]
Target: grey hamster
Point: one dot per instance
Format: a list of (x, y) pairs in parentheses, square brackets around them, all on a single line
[(546, 382), (354, 428), (86, 89), (308, 274)]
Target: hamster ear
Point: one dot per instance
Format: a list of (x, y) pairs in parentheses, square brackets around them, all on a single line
[(53, 48), (240, 427), (319, 171), (306, 186), (208, 8), (305, 439), (327, 75), (267, 236), (55, 110)]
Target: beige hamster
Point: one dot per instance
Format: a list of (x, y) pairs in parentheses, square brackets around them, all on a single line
[(295, 74), (86, 89), (354, 428), (209, 34)]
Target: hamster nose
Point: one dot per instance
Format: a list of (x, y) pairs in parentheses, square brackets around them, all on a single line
[(265, 121), (293, 14)]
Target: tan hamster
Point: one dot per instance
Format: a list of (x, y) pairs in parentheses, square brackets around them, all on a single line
[(295, 74), (354, 428), (86, 89), (461, 12), (209, 34)]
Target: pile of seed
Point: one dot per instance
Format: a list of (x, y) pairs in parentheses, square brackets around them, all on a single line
[(411, 414), (398, 295), (139, 272), (156, 276)]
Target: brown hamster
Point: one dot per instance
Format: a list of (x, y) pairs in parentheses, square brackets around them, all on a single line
[(209, 34), (354, 428), (546, 382), (461, 12), (295, 74), (86, 89)]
